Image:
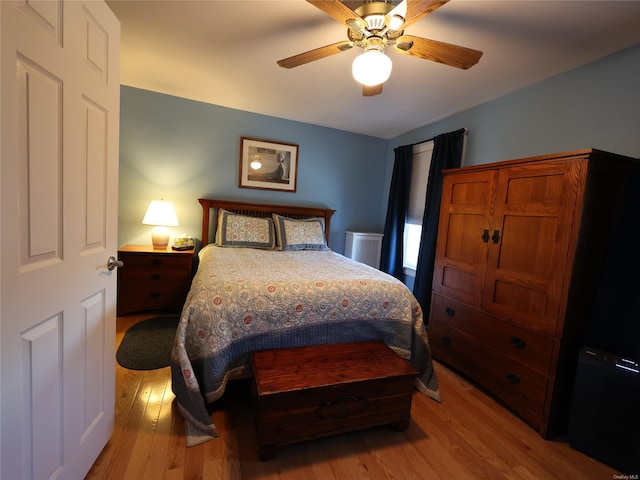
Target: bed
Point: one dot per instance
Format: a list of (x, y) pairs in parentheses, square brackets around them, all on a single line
[(266, 279)]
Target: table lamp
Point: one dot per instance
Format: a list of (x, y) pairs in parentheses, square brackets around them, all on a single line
[(161, 215)]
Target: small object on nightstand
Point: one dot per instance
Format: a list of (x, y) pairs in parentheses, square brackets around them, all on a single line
[(183, 242), (153, 279), (182, 248)]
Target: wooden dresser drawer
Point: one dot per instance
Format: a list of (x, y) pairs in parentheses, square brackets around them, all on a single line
[(165, 262), (520, 387), (154, 278), (156, 295), (524, 346)]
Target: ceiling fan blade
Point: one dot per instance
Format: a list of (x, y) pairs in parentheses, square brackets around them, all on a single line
[(416, 9), (315, 54), (340, 12), (370, 91), (452, 55)]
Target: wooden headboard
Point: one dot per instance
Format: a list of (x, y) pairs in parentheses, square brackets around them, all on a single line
[(210, 209)]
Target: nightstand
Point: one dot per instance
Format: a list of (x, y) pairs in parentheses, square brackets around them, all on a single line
[(153, 279)]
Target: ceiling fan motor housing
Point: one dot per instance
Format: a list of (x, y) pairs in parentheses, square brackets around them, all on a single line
[(374, 13), (374, 8)]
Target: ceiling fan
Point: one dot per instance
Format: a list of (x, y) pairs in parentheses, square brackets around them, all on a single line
[(376, 25)]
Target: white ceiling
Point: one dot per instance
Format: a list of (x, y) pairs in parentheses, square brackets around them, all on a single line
[(224, 52)]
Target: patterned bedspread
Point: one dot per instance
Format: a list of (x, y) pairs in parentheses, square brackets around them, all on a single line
[(244, 299)]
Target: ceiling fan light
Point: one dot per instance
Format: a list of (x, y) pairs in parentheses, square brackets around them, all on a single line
[(371, 68), (396, 22)]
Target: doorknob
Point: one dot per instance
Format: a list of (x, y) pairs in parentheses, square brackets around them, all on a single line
[(112, 263)]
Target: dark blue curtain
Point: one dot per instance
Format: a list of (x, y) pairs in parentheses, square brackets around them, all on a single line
[(392, 252), (447, 153)]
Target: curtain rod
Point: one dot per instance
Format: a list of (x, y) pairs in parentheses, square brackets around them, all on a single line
[(466, 132)]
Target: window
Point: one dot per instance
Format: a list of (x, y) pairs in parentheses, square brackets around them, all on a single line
[(417, 195), (411, 245)]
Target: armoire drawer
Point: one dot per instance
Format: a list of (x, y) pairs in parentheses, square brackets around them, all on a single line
[(518, 386), (526, 347)]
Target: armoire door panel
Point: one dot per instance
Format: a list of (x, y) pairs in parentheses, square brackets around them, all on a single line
[(544, 189), (523, 247), (464, 284), (519, 302), (526, 265), (463, 236)]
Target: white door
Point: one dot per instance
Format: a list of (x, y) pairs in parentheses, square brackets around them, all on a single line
[(59, 108)]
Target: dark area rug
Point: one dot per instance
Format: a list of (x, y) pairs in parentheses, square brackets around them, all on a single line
[(147, 345)]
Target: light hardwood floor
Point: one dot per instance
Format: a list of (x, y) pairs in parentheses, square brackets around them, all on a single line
[(467, 436)]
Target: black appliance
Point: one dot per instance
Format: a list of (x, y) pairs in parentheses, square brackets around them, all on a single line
[(605, 413)]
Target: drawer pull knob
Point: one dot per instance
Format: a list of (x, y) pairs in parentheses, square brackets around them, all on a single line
[(513, 378), (342, 407), (485, 236), (450, 312), (156, 261), (154, 276), (495, 238), (447, 340), (154, 295), (518, 343)]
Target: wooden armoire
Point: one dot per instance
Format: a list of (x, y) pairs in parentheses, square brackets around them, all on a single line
[(520, 249)]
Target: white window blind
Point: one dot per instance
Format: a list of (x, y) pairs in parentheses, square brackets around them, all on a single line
[(419, 176)]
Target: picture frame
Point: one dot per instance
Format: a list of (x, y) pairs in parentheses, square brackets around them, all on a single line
[(268, 164)]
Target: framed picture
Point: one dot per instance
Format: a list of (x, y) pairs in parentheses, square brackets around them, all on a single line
[(268, 165)]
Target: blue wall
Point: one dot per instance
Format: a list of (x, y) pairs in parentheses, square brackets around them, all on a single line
[(595, 106), (182, 150)]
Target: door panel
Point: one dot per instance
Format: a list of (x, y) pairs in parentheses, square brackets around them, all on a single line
[(59, 160), (95, 168), (461, 252), (528, 254), (43, 387), (39, 104)]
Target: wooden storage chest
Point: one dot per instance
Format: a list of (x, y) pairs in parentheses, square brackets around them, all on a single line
[(311, 392)]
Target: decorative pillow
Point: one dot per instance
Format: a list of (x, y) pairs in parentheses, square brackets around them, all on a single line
[(306, 234), (243, 231)]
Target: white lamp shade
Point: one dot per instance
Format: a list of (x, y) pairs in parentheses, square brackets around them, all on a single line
[(161, 213), (371, 68)]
